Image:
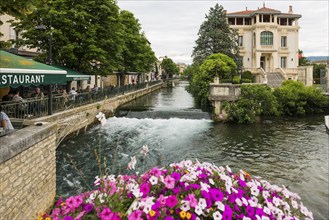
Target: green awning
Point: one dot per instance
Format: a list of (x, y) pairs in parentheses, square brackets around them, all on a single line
[(18, 71), (73, 75)]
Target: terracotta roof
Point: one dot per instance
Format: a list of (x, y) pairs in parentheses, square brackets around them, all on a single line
[(260, 11)]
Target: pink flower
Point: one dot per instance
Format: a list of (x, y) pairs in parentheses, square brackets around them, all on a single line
[(107, 214), (169, 182), (136, 215), (193, 200), (171, 201)]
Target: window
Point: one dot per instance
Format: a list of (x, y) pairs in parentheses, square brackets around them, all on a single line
[(240, 41), (266, 38), (283, 62), (283, 41)]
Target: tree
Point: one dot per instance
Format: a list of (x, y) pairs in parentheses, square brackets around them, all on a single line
[(219, 65), (86, 35), (215, 36), (137, 54), (302, 61), (17, 9), (169, 67)]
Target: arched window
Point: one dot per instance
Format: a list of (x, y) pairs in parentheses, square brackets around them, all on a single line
[(266, 38)]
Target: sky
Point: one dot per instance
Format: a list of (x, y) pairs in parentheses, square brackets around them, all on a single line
[(172, 25)]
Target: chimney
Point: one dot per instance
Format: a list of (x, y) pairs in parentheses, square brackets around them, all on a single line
[(290, 9), (246, 9), (225, 11), (263, 4)]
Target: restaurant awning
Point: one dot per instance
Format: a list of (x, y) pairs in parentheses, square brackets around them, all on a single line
[(18, 71), (73, 75)]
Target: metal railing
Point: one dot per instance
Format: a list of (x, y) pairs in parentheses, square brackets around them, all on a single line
[(32, 108)]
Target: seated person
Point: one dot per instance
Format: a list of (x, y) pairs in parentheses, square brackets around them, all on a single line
[(5, 122)]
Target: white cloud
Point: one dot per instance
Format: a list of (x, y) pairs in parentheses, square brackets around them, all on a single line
[(172, 26)]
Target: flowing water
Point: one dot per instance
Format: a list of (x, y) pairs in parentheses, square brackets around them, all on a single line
[(288, 151)]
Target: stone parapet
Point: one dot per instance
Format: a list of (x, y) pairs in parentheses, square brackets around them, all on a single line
[(27, 172)]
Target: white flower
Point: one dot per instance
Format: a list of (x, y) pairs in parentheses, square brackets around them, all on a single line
[(198, 210), (188, 163), (145, 150), (147, 209), (153, 180), (101, 118), (205, 186), (202, 203), (254, 191), (276, 201), (132, 163), (185, 206), (267, 210), (211, 181), (137, 193), (228, 169), (220, 206), (238, 202), (217, 215), (101, 197), (294, 204), (246, 218), (252, 203)]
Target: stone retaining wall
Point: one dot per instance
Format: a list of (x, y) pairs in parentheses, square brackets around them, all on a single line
[(27, 172)]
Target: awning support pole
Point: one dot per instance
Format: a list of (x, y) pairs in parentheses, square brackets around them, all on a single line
[(50, 101)]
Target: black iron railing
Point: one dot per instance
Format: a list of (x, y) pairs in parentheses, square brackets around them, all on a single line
[(32, 108)]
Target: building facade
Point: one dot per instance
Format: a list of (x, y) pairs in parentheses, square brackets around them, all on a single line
[(268, 41)]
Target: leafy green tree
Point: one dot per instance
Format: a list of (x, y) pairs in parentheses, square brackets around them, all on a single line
[(169, 67), (17, 9), (255, 100), (86, 35), (215, 36), (219, 65), (302, 61), (137, 54)]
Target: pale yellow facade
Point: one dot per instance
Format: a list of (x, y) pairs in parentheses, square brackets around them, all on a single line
[(268, 41)]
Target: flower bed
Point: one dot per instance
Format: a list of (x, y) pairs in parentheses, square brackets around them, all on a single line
[(184, 190)]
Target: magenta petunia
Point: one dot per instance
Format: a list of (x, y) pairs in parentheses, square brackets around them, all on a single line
[(227, 214), (176, 176), (169, 218), (171, 201), (145, 189), (216, 194), (88, 208)]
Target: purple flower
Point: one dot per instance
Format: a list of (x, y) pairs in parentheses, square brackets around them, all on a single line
[(67, 218), (227, 214), (242, 183), (176, 176), (171, 201), (145, 189), (169, 218), (88, 208), (216, 194), (259, 212), (205, 194), (156, 205), (177, 190), (250, 211), (59, 202)]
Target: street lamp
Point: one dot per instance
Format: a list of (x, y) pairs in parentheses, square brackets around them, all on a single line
[(41, 27)]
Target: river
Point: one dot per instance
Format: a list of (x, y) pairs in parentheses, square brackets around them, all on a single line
[(285, 151)]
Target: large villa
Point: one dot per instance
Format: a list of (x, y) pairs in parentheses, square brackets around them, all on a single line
[(268, 41)]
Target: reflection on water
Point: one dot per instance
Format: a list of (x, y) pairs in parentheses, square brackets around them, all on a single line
[(292, 152)]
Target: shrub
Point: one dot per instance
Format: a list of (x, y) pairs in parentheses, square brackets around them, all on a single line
[(296, 99), (255, 100)]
